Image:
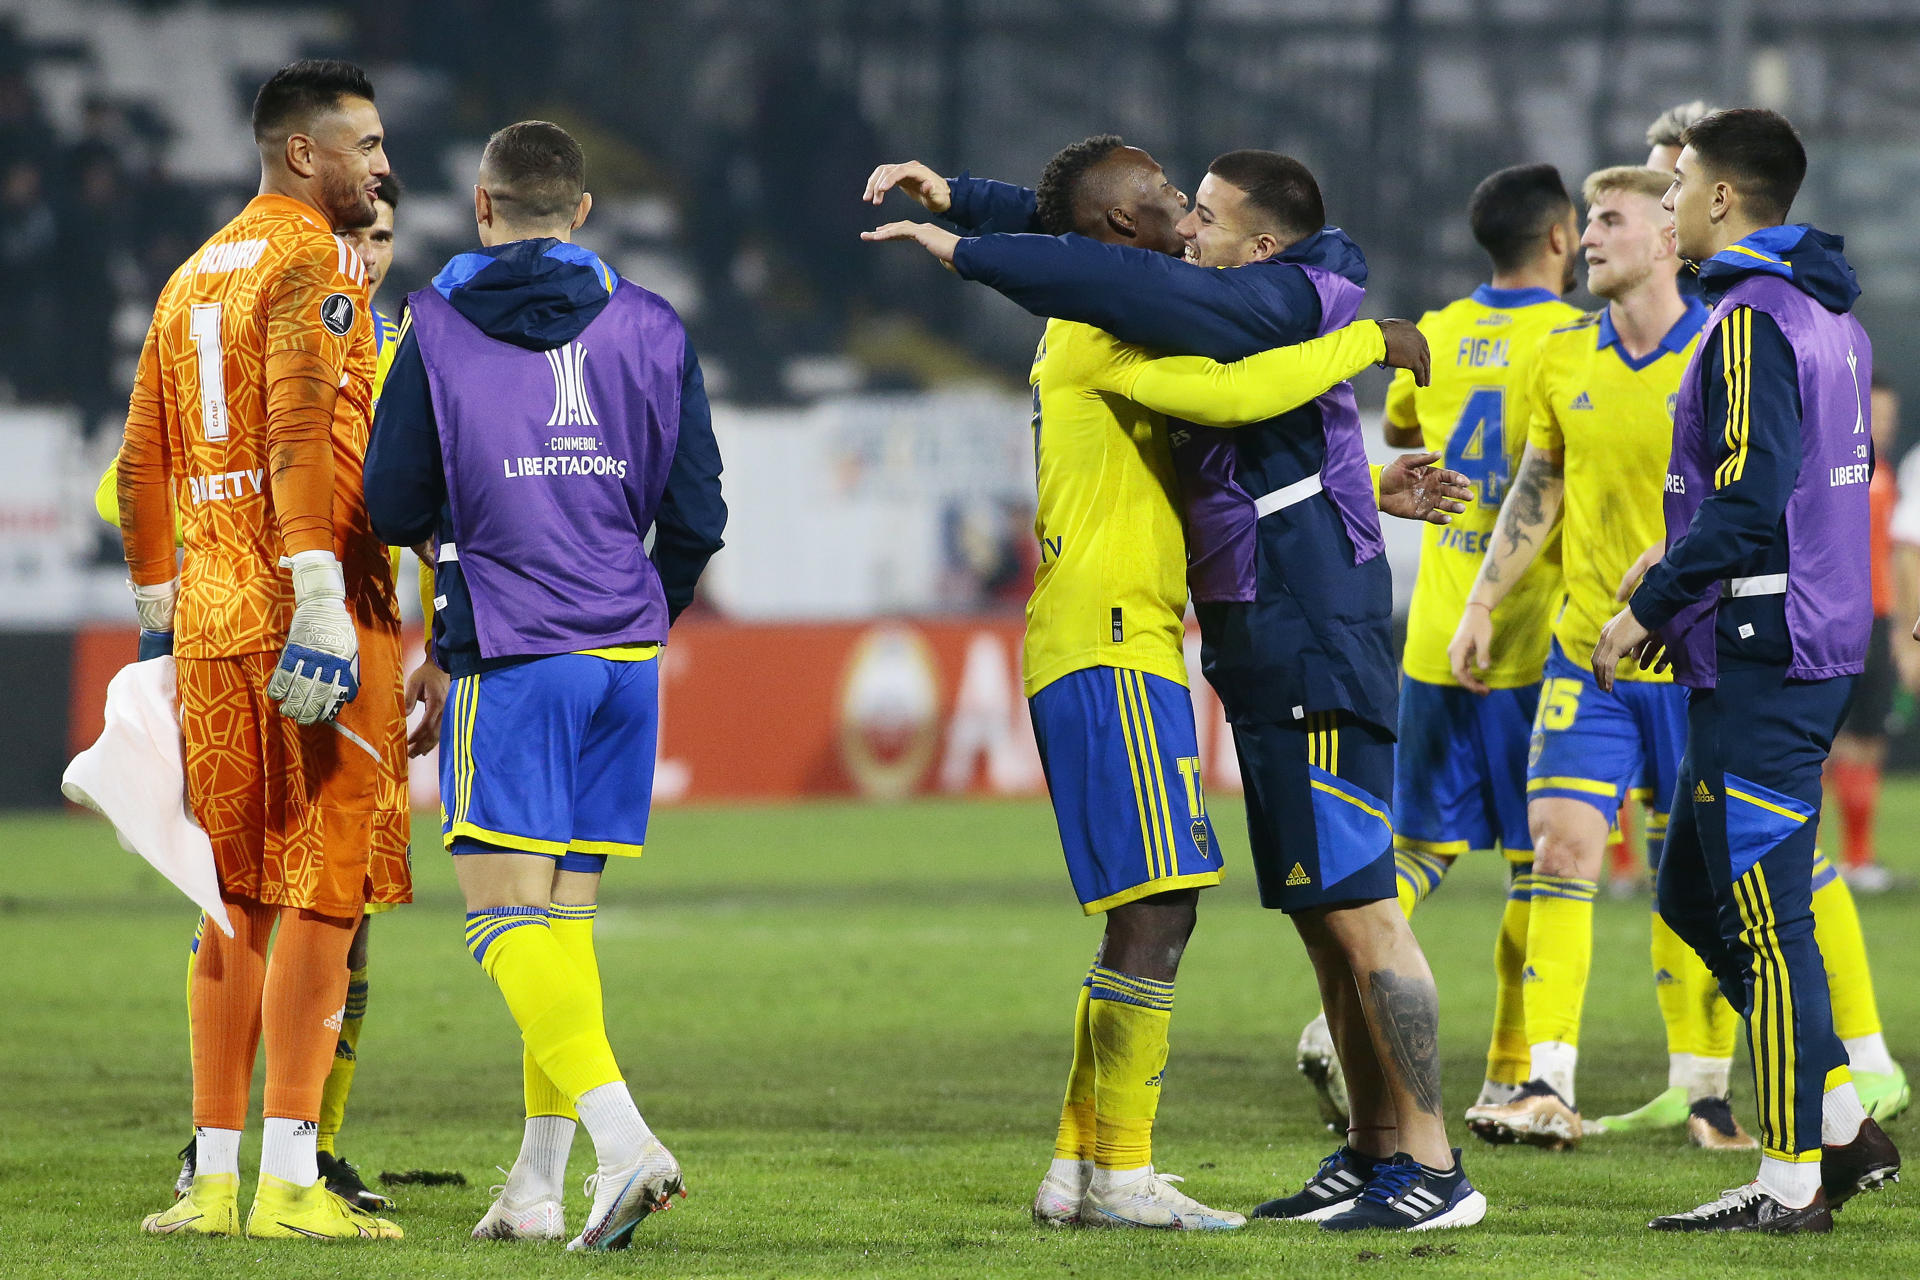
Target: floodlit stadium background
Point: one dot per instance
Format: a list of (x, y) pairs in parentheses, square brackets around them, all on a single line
[(859, 634)]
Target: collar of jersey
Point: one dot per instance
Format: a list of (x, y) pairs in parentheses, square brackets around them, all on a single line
[(1675, 340), (1508, 299), (287, 204)]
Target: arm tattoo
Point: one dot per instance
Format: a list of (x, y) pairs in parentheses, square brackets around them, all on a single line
[(1406, 1014), (1524, 519)]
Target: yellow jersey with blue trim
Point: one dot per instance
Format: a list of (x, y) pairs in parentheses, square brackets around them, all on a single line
[(1611, 417), (386, 342), (1483, 346), (1111, 589)]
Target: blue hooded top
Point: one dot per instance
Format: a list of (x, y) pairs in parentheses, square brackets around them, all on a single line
[(538, 295)]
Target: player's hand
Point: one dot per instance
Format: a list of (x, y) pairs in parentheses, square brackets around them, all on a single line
[(319, 670), (155, 644), (1413, 488), (1407, 349), (1631, 579), (1470, 652), (913, 179), (1624, 637), (426, 687), (937, 241)]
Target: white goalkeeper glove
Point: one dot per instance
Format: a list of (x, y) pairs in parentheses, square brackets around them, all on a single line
[(155, 604), (319, 670)]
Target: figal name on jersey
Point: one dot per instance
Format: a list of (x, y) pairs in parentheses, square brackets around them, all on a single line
[(223, 485), (1481, 353)]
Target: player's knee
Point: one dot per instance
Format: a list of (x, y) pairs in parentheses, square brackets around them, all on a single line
[(1564, 847)]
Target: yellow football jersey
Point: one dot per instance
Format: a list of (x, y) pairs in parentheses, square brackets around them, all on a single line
[(1483, 348), (1111, 589), (1613, 417)]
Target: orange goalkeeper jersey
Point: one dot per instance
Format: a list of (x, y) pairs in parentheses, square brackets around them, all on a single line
[(250, 416)]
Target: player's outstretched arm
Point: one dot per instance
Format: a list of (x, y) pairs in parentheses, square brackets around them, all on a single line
[(1146, 298), (1526, 518), (979, 206), (692, 514), (1413, 487), (1212, 394)]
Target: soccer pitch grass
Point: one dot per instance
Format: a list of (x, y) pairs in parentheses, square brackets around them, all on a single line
[(852, 1025)]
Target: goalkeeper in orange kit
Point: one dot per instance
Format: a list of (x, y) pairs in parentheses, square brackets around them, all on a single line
[(249, 417)]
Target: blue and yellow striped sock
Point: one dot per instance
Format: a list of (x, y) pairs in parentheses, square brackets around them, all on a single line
[(1127, 1017), (561, 1025), (1418, 874), (1559, 955)]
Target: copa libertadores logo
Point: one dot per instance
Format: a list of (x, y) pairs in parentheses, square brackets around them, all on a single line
[(570, 407), (336, 313)]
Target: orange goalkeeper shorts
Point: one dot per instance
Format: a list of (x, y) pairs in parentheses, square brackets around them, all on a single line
[(316, 816)]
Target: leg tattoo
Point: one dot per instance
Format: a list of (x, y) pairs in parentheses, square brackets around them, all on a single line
[(1407, 1016)]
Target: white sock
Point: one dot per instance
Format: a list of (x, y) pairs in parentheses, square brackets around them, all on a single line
[(1679, 1070), (1494, 1093), (1554, 1061), (216, 1151), (1841, 1115), (1793, 1185), (1869, 1054), (614, 1124), (1110, 1180), (1072, 1173), (288, 1153), (540, 1170), (1709, 1078)]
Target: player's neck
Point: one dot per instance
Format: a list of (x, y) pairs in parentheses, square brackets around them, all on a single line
[(292, 188), (1732, 230), (1644, 316), (1539, 275)]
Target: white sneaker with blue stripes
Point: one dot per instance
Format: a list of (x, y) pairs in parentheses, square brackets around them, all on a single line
[(1151, 1200)]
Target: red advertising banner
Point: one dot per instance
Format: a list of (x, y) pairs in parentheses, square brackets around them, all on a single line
[(882, 709)]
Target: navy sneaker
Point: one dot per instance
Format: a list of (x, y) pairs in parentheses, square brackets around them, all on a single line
[(1405, 1195), (1333, 1187)]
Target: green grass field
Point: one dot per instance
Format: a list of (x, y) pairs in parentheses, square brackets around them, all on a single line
[(852, 1025)]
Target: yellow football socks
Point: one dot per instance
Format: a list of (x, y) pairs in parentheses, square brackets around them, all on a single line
[(1417, 874), (1843, 948), (572, 925), (1077, 1128), (551, 1001), (1559, 954), (333, 1095), (1507, 1059), (1127, 1020)]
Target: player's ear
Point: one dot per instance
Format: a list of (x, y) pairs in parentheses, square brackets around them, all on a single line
[(482, 206), (1121, 222), (298, 155), (1265, 245), (580, 214)]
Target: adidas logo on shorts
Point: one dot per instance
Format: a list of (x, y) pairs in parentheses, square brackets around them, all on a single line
[(1298, 876)]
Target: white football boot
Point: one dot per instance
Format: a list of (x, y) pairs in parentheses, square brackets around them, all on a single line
[(625, 1197), (1152, 1200), (1057, 1203), (537, 1218), (1319, 1063)]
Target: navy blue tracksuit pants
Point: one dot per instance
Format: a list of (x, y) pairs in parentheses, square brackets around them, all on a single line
[(1736, 881)]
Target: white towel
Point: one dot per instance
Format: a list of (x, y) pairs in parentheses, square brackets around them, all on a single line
[(135, 778)]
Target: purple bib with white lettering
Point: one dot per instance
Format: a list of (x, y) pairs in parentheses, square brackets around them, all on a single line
[(1829, 602), (555, 462)]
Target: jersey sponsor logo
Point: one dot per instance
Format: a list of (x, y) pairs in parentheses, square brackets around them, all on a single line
[(336, 313), (570, 405), (224, 486), (1676, 483), (1856, 473), (1298, 876), (1582, 401), (234, 256), (1472, 542)]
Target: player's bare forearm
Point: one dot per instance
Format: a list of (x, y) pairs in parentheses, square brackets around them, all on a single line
[(1402, 437), (1526, 518)]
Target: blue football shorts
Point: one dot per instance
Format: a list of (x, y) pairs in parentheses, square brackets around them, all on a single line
[(1319, 827), (1123, 768), (1600, 747), (1460, 779), (552, 756)]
